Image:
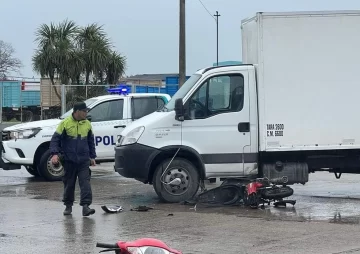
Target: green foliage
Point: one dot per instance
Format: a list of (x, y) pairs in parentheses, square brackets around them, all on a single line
[(77, 55)]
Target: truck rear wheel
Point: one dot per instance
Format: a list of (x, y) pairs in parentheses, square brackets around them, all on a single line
[(188, 177), (49, 171)]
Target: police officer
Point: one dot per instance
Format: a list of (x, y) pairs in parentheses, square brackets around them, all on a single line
[(73, 141)]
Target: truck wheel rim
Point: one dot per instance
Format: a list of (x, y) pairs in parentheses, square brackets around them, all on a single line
[(173, 173), (55, 170)]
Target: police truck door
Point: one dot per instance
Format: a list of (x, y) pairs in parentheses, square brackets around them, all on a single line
[(108, 119)]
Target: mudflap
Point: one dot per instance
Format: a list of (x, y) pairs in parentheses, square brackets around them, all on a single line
[(7, 166)]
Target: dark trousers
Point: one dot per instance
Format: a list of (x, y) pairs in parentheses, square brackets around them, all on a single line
[(83, 173)]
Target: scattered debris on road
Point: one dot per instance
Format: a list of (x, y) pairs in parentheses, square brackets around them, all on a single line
[(141, 208), (112, 209)]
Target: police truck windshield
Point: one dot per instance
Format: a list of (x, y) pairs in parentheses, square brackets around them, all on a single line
[(88, 102)]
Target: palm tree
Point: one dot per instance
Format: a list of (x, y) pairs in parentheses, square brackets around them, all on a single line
[(67, 52), (115, 67), (95, 46), (55, 50)]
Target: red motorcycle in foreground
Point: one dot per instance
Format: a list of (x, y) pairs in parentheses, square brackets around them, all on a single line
[(264, 190), (139, 246)]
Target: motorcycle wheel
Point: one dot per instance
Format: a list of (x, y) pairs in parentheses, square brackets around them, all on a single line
[(278, 192)]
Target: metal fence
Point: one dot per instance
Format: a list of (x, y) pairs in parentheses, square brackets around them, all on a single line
[(60, 98), (27, 101)]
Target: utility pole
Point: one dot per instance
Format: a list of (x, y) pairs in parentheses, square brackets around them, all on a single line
[(182, 49), (217, 15)]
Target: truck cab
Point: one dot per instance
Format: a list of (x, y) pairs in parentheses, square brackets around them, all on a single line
[(207, 130), (27, 144)]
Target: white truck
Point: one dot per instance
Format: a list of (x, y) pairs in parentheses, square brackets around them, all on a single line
[(27, 144), (289, 110)]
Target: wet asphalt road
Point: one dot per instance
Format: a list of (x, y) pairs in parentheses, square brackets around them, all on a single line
[(326, 218)]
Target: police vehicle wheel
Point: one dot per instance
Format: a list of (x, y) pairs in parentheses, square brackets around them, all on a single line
[(182, 191), (32, 171), (49, 171)]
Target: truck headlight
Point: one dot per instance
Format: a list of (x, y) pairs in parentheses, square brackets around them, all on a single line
[(132, 137), (24, 134)]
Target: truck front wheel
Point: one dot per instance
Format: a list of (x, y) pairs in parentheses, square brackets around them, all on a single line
[(186, 185), (49, 171)]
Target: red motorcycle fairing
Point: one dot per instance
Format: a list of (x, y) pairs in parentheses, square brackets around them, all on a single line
[(147, 242), (252, 187)]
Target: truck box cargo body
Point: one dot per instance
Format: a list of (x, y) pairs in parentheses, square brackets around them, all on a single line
[(19, 100), (307, 79), (289, 110), (16, 94)]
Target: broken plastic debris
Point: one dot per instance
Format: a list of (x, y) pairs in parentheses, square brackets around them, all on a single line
[(112, 209), (141, 208)]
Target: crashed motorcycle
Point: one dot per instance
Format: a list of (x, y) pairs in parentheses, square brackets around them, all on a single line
[(264, 190), (139, 246), (249, 192)]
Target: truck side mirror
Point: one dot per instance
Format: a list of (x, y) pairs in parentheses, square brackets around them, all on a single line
[(179, 110), (88, 117)]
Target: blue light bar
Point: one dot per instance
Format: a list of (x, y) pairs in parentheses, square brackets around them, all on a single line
[(120, 90)]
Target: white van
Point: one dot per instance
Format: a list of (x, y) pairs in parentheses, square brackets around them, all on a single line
[(27, 144), (289, 110)]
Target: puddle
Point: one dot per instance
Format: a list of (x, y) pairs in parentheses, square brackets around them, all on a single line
[(339, 219)]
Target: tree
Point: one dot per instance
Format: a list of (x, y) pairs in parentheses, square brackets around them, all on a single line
[(115, 67), (8, 63), (55, 51), (95, 47), (71, 53)]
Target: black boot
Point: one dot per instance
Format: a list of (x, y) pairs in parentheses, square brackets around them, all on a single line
[(87, 210), (68, 210)]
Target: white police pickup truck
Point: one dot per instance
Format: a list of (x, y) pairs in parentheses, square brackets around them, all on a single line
[(27, 144)]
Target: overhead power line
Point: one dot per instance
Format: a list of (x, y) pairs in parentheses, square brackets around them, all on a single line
[(207, 10), (217, 15)]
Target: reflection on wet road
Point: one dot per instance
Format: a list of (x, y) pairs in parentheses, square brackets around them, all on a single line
[(325, 218)]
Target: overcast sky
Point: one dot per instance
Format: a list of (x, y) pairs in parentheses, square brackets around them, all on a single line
[(146, 32)]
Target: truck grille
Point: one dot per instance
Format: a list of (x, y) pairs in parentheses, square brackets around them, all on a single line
[(5, 135)]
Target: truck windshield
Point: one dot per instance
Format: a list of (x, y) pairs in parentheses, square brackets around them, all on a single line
[(184, 89), (88, 102)]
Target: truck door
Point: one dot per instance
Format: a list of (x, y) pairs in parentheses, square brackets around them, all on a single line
[(217, 124), (108, 119)]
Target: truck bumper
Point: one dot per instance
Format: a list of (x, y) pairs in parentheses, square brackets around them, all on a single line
[(133, 161), (5, 164), (14, 154)]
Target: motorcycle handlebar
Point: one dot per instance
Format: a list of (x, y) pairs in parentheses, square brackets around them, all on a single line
[(107, 245)]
